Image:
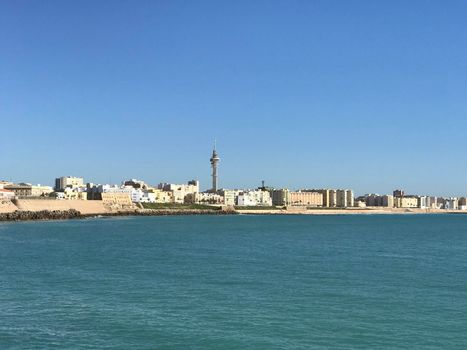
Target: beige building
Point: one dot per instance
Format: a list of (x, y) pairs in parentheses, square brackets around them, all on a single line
[(41, 191), (68, 182), (5, 183), (406, 202), (20, 190), (229, 196), (161, 196), (179, 192), (312, 199), (326, 197)]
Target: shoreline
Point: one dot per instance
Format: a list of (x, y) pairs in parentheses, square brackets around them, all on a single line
[(53, 215)]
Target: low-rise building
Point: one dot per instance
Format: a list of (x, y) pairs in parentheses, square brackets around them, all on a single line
[(77, 193), (5, 183), (41, 191), (254, 198), (6, 194), (142, 196), (204, 198), (161, 196), (20, 190), (179, 192), (229, 196)]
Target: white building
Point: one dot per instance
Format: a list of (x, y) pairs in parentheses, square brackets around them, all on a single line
[(204, 198), (422, 202), (254, 198), (142, 196), (451, 203)]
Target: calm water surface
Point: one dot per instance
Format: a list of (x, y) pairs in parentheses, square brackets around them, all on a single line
[(235, 282)]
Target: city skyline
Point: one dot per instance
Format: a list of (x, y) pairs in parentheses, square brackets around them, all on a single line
[(214, 188), (367, 95)]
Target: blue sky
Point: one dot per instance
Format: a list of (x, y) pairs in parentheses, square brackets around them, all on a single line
[(368, 95)]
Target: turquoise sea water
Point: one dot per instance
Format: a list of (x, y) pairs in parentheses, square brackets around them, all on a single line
[(235, 282)]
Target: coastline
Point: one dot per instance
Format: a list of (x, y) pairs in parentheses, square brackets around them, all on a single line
[(349, 211), (51, 215), (48, 215)]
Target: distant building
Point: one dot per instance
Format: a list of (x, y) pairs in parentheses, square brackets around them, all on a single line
[(387, 201), (406, 202), (5, 183), (41, 191), (328, 196), (332, 198), (280, 197), (6, 194), (142, 196), (398, 193), (68, 182), (311, 199), (451, 203), (77, 193), (376, 200), (350, 198), (432, 202), (462, 203), (162, 196), (204, 198), (344, 198), (20, 190), (136, 184), (254, 198), (423, 202), (179, 192), (229, 196)]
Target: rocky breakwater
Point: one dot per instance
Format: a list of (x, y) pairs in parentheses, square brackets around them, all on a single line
[(24, 215)]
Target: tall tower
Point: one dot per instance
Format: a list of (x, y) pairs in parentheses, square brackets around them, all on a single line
[(214, 160)]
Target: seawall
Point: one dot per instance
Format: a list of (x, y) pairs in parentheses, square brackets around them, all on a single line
[(84, 207)]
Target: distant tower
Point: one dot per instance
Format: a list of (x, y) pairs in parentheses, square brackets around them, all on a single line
[(214, 160)]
